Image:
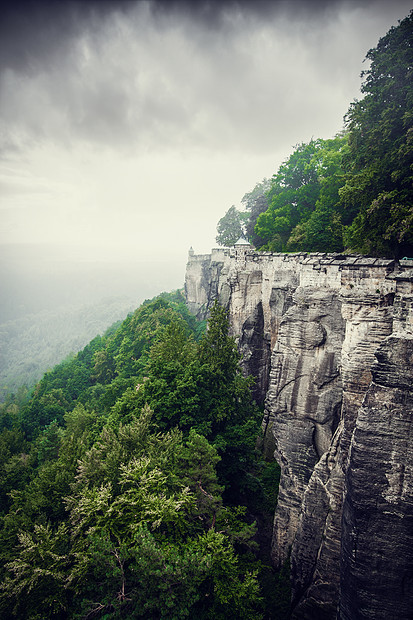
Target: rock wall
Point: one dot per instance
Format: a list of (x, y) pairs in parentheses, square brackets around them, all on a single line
[(377, 525), (329, 339)]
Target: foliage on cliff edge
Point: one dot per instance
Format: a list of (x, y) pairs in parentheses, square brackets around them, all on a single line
[(123, 478), (353, 192)]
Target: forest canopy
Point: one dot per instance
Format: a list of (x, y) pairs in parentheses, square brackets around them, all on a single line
[(130, 480), (353, 192)]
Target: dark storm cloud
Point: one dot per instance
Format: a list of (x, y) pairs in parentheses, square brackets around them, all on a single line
[(154, 74), (123, 117), (31, 29), (98, 70), (212, 11)]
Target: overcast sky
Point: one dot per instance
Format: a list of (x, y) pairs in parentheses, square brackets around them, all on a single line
[(131, 127)]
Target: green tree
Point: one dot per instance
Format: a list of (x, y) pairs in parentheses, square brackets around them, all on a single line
[(34, 586), (147, 535), (378, 194), (14, 472), (304, 211), (256, 202), (49, 404), (192, 385), (200, 386), (217, 348), (103, 367), (231, 227)]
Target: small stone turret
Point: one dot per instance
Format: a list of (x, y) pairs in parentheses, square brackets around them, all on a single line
[(242, 242)]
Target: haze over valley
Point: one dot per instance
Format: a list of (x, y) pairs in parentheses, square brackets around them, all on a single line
[(129, 128)]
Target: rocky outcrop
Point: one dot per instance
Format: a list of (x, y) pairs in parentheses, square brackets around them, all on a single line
[(257, 291), (309, 328), (377, 526), (202, 281), (303, 400), (315, 556)]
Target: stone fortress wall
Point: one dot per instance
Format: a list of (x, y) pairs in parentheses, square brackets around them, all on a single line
[(329, 338)]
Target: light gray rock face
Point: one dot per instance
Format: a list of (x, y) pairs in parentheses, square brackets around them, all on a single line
[(202, 280), (308, 327), (304, 400), (257, 292)]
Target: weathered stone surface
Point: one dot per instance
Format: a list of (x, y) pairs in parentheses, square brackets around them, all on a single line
[(202, 281), (254, 346), (303, 400), (308, 327), (377, 529), (316, 567)]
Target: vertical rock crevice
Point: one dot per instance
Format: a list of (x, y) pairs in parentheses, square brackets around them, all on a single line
[(367, 322), (377, 526), (303, 400)]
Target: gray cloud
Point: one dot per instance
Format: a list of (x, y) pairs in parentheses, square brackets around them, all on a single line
[(156, 74), (124, 124)]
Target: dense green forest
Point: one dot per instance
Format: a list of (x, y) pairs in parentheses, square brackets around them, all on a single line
[(131, 480), (352, 192)]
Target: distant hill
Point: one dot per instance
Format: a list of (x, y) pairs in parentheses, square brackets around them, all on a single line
[(54, 300), (32, 344)]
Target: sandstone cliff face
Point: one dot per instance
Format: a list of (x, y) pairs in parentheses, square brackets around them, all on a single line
[(308, 327), (303, 400), (316, 548), (377, 527)]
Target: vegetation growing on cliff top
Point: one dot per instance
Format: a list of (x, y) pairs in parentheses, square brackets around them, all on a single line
[(130, 479), (354, 191)]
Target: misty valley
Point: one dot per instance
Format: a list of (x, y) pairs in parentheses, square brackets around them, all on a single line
[(239, 447)]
